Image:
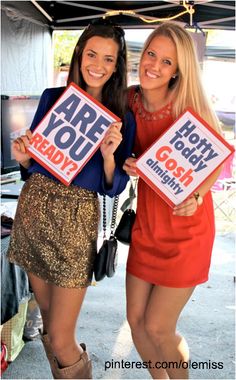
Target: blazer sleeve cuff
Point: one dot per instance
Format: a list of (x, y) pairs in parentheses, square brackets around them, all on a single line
[(120, 180)]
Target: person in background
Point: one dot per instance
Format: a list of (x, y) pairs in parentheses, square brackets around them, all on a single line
[(54, 237), (170, 249)]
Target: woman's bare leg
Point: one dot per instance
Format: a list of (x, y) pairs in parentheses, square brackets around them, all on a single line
[(64, 311), (41, 291), (161, 316), (60, 307), (138, 295)]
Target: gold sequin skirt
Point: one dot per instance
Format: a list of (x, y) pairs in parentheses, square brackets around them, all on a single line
[(54, 234)]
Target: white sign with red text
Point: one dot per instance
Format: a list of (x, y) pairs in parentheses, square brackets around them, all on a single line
[(182, 158), (70, 133)]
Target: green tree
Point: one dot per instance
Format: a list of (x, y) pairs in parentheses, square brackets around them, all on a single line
[(63, 46)]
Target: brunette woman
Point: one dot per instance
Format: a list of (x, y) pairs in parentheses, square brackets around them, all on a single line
[(55, 229)]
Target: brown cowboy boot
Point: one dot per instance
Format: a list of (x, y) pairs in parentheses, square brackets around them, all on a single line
[(82, 369)]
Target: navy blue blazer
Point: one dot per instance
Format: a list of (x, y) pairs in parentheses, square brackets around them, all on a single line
[(92, 175)]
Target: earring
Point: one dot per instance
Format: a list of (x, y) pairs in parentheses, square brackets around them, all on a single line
[(174, 76)]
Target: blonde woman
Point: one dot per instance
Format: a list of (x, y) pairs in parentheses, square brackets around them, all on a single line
[(171, 249)]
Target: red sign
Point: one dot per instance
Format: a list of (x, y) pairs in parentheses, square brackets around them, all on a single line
[(182, 158), (70, 133)]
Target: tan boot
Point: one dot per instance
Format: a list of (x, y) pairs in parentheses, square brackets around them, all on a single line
[(47, 346), (49, 352), (80, 370)]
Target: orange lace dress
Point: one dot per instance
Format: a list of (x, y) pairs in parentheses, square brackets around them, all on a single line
[(166, 249)]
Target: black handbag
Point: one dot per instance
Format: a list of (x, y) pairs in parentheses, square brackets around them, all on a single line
[(106, 259), (124, 229)]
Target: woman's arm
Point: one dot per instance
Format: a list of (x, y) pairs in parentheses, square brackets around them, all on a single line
[(47, 99), (108, 147), (190, 205), (19, 149), (124, 150)]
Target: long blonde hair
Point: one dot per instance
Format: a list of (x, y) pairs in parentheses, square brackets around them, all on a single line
[(187, 87)]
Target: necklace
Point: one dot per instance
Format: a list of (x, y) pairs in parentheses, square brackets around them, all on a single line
[(161, 113)]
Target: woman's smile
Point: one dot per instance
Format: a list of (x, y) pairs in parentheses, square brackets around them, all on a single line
[(151, 75), (95, 75)]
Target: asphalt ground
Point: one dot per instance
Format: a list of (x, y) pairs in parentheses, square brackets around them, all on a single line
[(207, 323)]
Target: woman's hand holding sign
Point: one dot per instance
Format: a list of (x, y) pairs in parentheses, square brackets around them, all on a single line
[(130, 166), (186, 208), (108, 147), (111, 140), (19, 148)]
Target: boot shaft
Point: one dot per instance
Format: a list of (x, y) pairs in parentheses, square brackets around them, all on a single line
[(82, 369)]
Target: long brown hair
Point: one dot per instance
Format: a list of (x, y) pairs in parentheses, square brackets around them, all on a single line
[(114, 90)]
